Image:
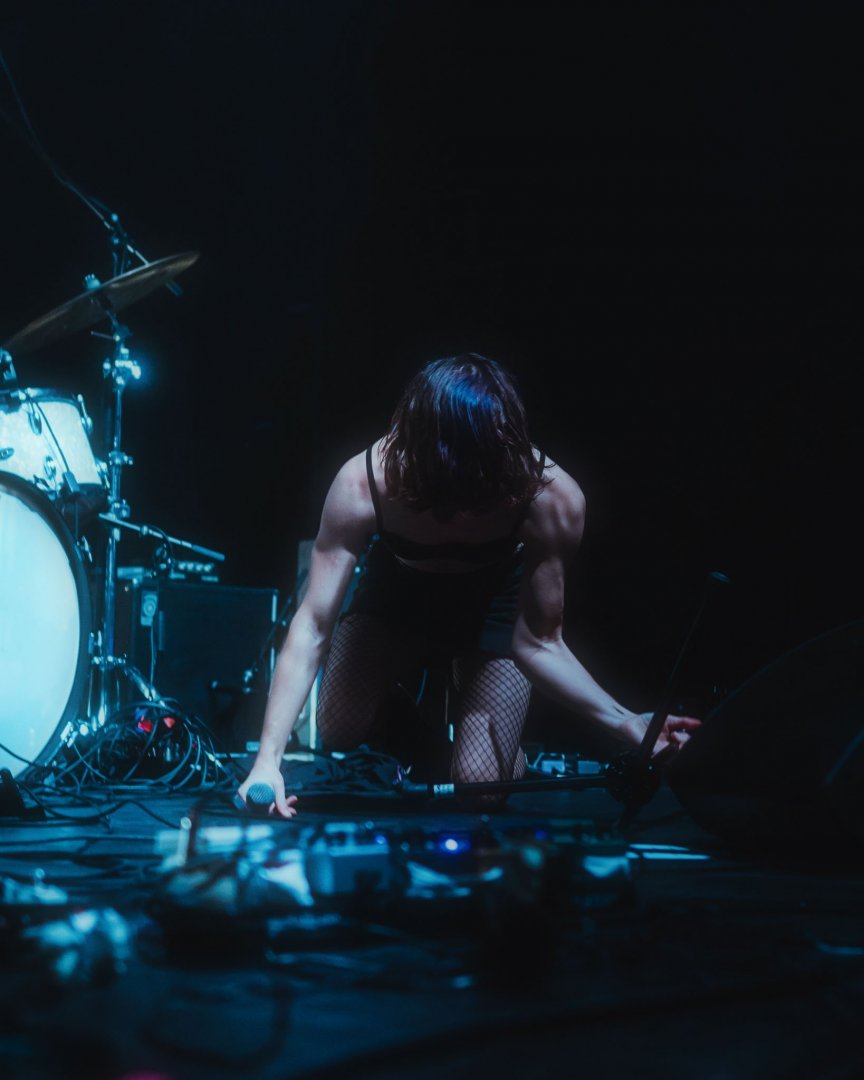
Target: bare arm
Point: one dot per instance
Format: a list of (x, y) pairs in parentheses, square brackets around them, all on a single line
[(553, 532), (346, 522)]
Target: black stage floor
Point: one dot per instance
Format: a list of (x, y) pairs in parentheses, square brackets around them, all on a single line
[(692, 961)]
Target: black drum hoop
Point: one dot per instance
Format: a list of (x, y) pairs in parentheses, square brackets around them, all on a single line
[(36, 393), (42, 505)]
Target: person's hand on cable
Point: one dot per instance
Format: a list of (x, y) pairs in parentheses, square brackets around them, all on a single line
[(271, 776)]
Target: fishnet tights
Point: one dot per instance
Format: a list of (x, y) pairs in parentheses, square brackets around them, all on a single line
[(489, 702)]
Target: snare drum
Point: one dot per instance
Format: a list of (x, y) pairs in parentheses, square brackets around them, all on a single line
[(45, 625), (44, 437)]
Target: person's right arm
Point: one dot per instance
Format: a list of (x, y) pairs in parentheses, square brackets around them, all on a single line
[(346, 523)]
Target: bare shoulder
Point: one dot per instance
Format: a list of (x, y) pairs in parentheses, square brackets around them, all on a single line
[(557, 515), (349, 515), (351, 482)]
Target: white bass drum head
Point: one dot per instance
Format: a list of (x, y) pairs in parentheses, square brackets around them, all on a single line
[(44, 625)]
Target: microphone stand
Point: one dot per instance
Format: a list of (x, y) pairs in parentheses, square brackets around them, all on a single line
[(171, 541)]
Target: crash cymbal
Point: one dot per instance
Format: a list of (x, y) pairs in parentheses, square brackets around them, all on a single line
[(90, 307)]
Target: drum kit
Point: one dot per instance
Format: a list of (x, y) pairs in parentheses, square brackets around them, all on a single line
[(59, 675)]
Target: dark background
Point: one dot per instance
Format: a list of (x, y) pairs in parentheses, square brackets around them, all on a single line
[(651, 212)]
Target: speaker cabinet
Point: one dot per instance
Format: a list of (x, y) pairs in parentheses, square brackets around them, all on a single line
[(209, 646), (780, 763)]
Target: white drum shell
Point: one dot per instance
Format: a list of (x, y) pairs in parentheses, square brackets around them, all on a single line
[(43, 435)]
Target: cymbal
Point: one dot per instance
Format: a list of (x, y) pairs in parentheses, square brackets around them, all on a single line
[(89, 307)]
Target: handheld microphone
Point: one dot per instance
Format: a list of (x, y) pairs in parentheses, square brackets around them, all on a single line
[(261, 795), (259, 798)]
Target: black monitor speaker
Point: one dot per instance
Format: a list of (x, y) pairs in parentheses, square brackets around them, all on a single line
[(780, 763), (198, 643)]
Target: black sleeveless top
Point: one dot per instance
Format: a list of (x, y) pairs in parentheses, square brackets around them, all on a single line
[(488, 551)]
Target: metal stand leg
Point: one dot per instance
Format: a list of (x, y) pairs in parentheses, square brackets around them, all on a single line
[(108, 668)]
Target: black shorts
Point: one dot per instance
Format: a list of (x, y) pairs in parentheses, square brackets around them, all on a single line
[(448, 614)]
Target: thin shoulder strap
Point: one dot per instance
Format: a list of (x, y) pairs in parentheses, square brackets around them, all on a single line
[(373, 490)]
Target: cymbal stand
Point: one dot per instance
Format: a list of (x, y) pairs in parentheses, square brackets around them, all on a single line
[(169, 541), (119, 370)]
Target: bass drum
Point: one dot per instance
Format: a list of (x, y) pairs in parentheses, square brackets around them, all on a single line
[(45, 623)]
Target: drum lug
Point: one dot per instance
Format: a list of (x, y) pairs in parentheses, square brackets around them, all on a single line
[(85, 549), (86, 419), (94, 644), (6, 452)]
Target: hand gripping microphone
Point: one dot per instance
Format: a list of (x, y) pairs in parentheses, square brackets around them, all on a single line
[(259, 798)]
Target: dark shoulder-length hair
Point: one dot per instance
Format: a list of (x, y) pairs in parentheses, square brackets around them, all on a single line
[(459, 440)]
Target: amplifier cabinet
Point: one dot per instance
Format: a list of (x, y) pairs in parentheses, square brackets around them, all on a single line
[(200, 643)]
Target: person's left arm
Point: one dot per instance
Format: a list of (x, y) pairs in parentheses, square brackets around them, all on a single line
[(552, 534)]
